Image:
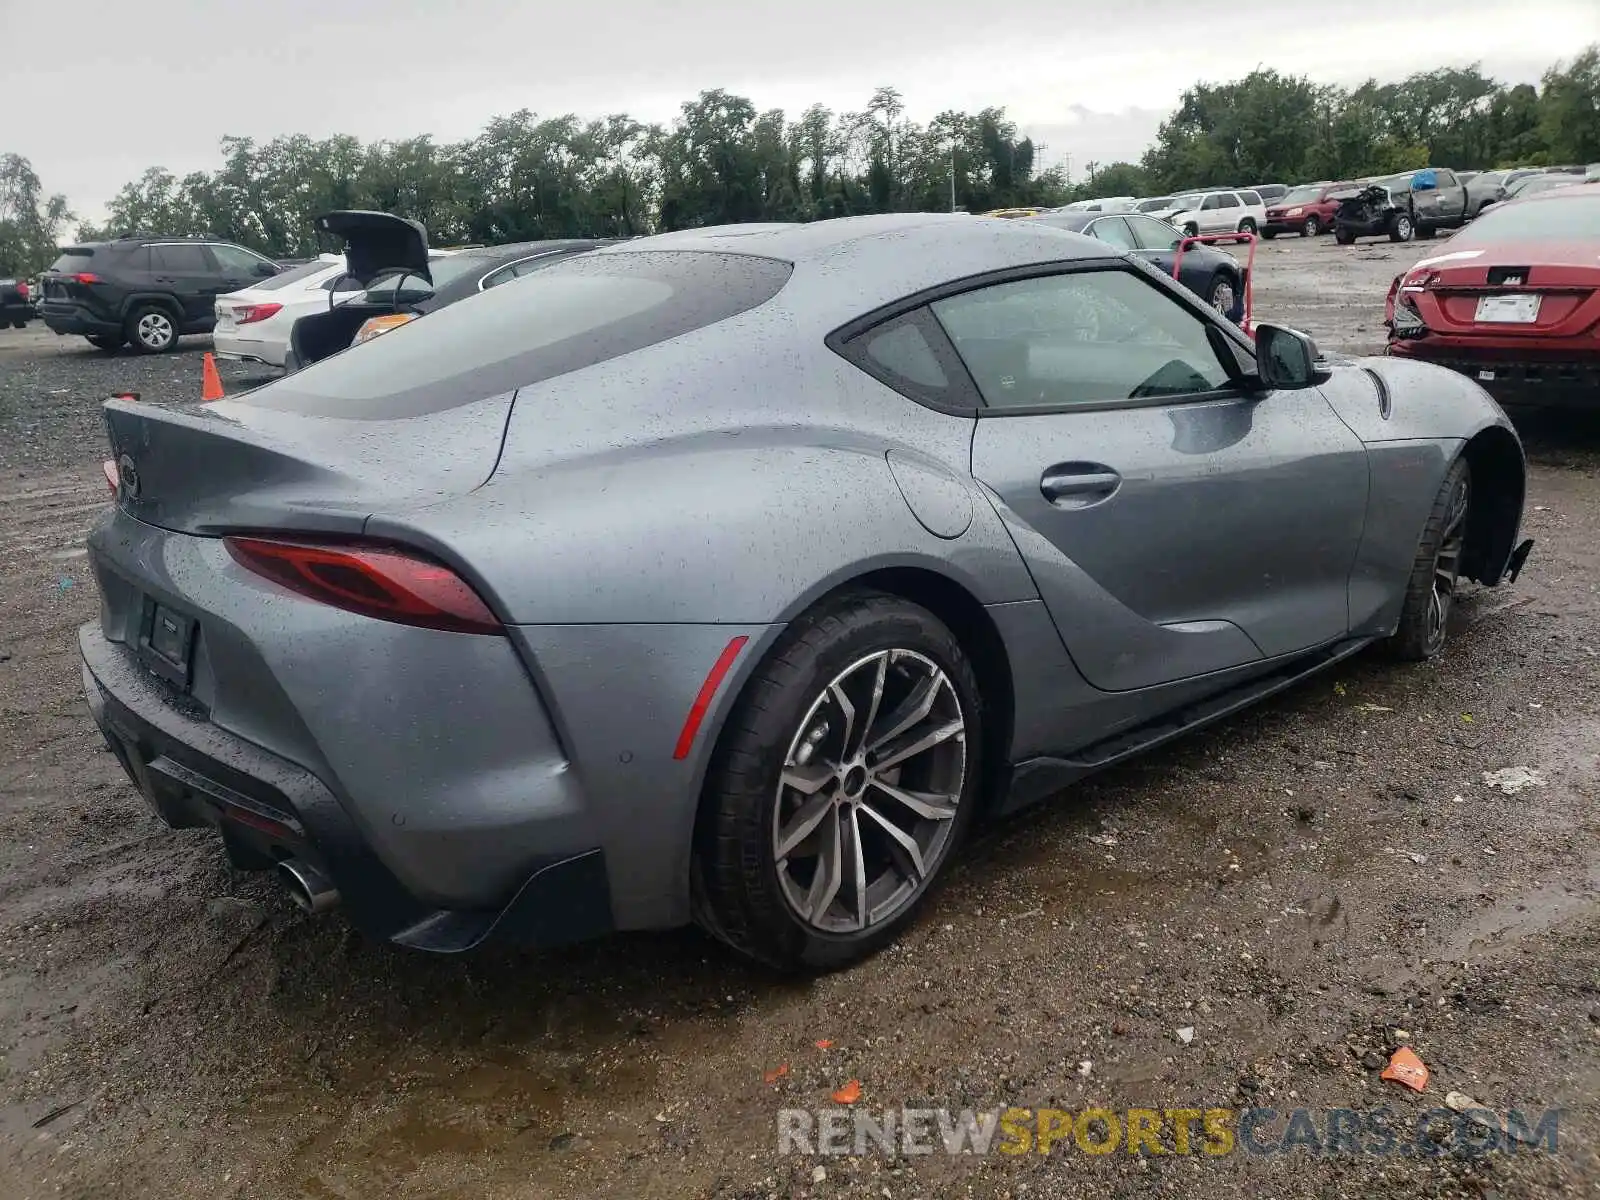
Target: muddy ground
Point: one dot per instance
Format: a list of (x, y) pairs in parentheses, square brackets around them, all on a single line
[(1295, 886)]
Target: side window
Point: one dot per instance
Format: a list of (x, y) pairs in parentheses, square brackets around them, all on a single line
[(536, 264), (1115, 231), (503, 275), (139, 259), (1154, 235), (1088, 337), (235, 261), (909, 354), (180, 259), (1228, 200), (1211, 204), (1251, 198), (1446, 178)]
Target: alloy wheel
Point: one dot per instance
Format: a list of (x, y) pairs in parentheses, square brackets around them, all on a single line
[(1222, 297), (1447, 565), (869, 792), (155, 330)]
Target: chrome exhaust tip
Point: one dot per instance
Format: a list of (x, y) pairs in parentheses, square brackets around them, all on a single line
[(308, 887)]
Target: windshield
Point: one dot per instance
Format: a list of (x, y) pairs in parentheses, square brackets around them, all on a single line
[(1566, 217), (1185, 203), (1155, 205), (1535, 184), (1305, 195)]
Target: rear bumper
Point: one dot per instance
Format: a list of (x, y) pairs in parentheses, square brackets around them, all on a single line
[(244, 349), (64, 317), (1520, 384), (16, 310), (268, 810)]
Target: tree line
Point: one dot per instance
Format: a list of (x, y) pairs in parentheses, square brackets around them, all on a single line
[(722, 160)]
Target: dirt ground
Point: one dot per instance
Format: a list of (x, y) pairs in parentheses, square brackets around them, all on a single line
[(1304, 887)]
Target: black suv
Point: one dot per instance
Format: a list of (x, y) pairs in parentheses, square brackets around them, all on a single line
[(146, 291)]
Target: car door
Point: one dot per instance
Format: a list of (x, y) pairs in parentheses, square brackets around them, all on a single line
[(238, 267), (1449, 199), (1211, 217), (1175, 523), (186, 271)]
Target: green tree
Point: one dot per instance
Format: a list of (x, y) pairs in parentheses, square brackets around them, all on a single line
[(1569, 109), (30, 221)]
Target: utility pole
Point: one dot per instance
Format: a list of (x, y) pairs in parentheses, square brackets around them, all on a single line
[(952, 177)]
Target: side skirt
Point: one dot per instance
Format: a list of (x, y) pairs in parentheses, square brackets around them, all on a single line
[(1035, 779)]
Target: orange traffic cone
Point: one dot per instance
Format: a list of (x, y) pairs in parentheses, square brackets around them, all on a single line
[(210, 381)]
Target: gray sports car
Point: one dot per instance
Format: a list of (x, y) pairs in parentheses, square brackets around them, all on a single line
[(729, 575)]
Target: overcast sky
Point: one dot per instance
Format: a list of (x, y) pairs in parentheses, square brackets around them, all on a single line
[(97, 90)]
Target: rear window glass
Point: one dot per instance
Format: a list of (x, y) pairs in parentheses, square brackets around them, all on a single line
[(441, 270), (293, 275), (72, 260), (570, 316), (1559, 218)]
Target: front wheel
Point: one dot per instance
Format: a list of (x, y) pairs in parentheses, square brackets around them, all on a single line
[(1436, 570), (842, 784), (1312, 227), (1401, 227)]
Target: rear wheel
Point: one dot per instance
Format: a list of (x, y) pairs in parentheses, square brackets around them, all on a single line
[(1312, 227), (844, 780), (1247, 226), (1222, 295), (1269, 234), (1401, 227), (1435, 573), (1190, 229), (152, 329), (1426, 231), (1344, 237), (101, 341)]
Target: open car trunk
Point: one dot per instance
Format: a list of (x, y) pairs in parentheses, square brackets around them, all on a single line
[(377, 246)]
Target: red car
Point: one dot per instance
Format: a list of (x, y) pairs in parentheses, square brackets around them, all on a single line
[(1515, 303), (1305, 210)]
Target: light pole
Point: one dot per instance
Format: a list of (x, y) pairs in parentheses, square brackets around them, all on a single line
[(952, 177)]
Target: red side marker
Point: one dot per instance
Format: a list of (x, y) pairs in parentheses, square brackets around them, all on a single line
[(708, 689)]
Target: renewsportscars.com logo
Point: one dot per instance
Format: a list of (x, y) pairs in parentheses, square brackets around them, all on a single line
[(1210, 1132)]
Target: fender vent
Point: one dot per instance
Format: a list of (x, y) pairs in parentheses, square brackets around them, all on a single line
[(1385, 404)]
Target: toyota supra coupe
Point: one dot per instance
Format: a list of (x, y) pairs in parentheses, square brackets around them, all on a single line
[(729, 575)]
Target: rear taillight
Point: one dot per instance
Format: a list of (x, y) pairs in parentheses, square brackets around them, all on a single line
[(375, 581), (374, 326), (84, 277), (22, 289), (245, 314)]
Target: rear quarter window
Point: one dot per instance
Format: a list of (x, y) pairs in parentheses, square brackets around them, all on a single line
[(569, 316)]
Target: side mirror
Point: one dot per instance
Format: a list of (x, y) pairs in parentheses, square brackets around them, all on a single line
[(1286, 359)]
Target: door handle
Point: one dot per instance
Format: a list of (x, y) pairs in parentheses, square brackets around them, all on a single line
[(1074, 485)]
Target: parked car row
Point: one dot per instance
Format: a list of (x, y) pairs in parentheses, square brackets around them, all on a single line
[(16, 303)]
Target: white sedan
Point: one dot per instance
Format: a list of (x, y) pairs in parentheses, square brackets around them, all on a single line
[(253, 324)]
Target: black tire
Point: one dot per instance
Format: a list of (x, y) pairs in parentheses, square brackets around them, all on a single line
[(1343, 236), (106, 342), (1427, 232), (1401, 227), (1190, 229), (738, 894), (152, 329), (1312, 226), (1247, 225), (19, 324), (1222, 282), (1423, 628), (1268, 234)]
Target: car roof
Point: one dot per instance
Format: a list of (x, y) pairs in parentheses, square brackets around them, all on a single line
[(819, 240), (512, 250)]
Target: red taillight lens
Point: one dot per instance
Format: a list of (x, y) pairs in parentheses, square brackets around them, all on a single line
[(245, 314), (22, 288), (375, 581), (85, 277)]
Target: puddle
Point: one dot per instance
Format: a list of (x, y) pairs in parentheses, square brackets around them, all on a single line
[(1513, 918)]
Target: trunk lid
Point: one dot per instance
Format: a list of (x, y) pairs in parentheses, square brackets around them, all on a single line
[(242, 464), (378, 242), (1533, 291)]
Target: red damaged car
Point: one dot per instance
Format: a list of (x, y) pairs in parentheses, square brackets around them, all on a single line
[(1306, 210), (1515, 303)]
